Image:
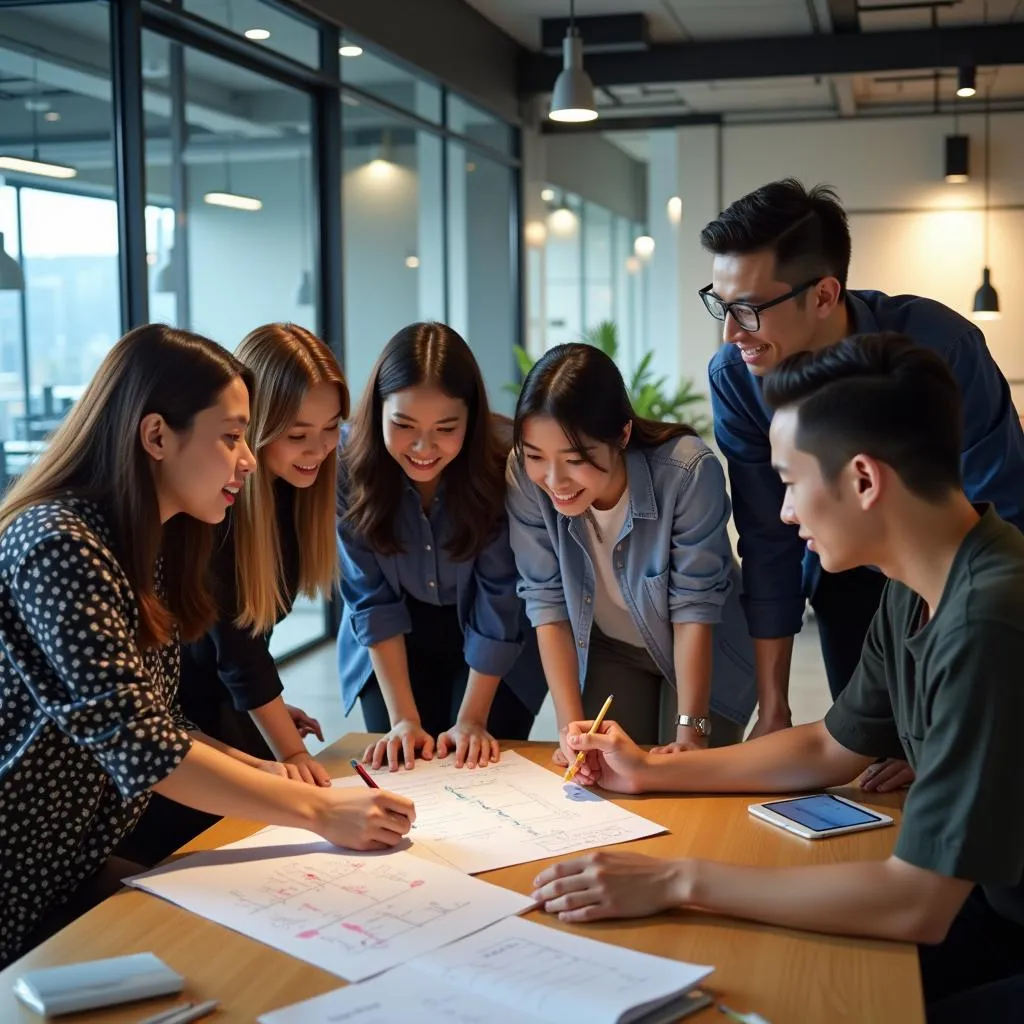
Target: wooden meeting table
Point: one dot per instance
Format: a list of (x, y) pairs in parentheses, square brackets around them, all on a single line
[(789, 977)]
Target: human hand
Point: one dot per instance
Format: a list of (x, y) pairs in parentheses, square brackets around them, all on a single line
[(406, 738), (614, 761), (886, 776), (472, 743), (363, 819), (610, 883), (305, 724), (310, 771)]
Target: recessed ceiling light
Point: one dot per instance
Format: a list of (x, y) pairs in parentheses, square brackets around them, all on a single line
[(547, 194), (351, 50), (17, 163), (51, 115), (233, 201), (257, 34)]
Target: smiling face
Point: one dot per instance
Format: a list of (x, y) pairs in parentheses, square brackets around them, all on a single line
[(199, 471), (297, 455), (571, 482), (789, 327), (834, 518), (424, 430)]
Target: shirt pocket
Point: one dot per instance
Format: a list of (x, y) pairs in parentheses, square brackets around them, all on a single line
[(656, 591)]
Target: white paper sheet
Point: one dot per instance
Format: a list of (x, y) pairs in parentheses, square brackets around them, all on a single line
[(514, 972), (506, 813), (353, 914)]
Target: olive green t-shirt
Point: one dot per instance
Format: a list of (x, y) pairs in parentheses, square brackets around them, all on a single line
[(949, 697)]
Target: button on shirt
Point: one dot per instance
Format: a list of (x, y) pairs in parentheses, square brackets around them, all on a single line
[(778, 572)]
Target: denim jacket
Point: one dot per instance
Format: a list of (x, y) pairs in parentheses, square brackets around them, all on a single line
[(677, 563), (498, 639)]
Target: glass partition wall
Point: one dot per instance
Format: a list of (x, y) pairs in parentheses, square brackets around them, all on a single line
[(219, 166)]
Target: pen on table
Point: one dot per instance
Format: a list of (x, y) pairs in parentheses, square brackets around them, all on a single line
[(366, 776), (731, 1014), (571, 771), (184, 1013)]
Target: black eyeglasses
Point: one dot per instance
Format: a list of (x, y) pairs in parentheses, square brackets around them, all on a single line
[(747, 315)]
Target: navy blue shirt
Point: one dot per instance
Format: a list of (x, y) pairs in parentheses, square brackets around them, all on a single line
[(778, 572)]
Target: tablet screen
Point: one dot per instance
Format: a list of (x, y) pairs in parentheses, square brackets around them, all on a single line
[(821, 812)]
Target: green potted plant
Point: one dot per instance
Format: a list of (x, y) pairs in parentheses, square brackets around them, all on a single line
[(649, 394)]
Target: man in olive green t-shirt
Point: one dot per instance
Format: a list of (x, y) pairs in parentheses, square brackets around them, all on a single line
[(866, 439)]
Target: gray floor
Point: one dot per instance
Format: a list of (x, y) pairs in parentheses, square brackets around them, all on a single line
[(311, 683)]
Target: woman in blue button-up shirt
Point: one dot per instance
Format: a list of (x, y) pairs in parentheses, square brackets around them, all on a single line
[(432, 631), (618, 525)]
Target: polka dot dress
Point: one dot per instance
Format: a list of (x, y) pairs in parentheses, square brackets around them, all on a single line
[(88, 723)]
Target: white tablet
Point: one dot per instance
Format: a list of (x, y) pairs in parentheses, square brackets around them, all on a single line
[(819, 816)]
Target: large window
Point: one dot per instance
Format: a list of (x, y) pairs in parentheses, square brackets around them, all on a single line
[(229, 194), (60, 312)]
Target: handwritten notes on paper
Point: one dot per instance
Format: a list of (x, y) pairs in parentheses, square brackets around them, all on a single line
[(353, 914), (513, 972), (506, 813)]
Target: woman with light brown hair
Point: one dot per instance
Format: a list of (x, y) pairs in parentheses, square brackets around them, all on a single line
[(104, 546), (278, 542)]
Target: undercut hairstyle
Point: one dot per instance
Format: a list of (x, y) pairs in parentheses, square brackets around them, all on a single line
[(805, 229), (582, 390), (879, 395)]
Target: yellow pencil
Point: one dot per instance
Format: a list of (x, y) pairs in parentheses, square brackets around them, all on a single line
[(580, 757)]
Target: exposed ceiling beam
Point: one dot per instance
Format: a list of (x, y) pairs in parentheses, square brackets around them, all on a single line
[(844, 16), (794, 56)]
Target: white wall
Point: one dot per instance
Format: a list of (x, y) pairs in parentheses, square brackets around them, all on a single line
[(911, 231)]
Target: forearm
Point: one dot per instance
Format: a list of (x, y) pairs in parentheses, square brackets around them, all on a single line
[(233, 752), (772, 659), (479, 696), (391, 666), (211, 781), (561, 669), (692, 652), (806, 757), (869, 898), (278, 729)]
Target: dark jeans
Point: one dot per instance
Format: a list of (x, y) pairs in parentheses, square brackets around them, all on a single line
[(977, 973), (844, 604), (438, 673)]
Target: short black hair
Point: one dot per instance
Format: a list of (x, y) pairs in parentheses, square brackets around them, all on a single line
[(879, 395), (806, 229)]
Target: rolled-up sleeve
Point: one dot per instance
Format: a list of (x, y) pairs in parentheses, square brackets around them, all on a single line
[(540, 575), (493, 632), (700, 563), (97, 690), (771, 551), (377, 612)]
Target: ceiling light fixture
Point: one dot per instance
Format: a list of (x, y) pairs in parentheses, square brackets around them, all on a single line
[(350, 50), (966, 83), (573, 97), (229, 198), (257, 35), (957, 159), (24, 165), (986, 299), (643, 246)]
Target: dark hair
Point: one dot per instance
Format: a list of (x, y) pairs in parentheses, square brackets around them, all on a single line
[(426, 353), (97, 453), (581, 389), (807, 231), (880, 395)]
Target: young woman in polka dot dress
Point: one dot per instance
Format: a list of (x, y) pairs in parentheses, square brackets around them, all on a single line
[(90, 615)]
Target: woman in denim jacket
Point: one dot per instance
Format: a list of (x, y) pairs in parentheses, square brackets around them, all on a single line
[(618, 525)]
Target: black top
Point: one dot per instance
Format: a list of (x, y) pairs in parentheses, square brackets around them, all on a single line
[(949, 698), (88, 722), (229, 664)]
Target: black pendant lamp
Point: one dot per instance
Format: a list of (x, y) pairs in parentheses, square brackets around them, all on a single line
[(986, 299)]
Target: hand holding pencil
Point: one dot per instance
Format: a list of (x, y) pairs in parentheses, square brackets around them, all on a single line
[(573, 768)]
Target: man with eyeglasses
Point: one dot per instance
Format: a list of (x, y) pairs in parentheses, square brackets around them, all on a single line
[(781, 256)]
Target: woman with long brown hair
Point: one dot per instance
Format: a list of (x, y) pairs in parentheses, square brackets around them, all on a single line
[(618, 524), (278, 542), (104, 545), (433, 641)]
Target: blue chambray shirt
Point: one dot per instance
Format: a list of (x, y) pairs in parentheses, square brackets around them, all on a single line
[(498, 637), (779, 574), (676, 563)]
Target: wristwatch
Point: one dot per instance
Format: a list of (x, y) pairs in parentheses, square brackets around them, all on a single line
[(702, 725)]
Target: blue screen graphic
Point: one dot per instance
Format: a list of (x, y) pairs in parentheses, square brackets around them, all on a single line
[(821, 813)]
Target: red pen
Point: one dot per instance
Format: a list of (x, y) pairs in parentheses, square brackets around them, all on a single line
[(364, 774)]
